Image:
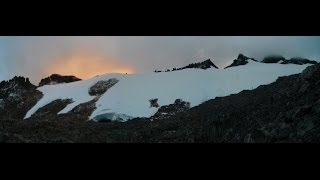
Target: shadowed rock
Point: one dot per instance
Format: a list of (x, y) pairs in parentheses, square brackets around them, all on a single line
[(299, 61), (201, 65), (241, 60), (102, 86), (58, 79)]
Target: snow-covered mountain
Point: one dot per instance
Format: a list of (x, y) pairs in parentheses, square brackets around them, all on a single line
[(125, 96)]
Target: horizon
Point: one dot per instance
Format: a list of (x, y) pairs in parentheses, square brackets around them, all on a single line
[(87, 57), (159, 70)]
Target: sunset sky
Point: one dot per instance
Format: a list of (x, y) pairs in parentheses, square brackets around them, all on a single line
[(40, 56)]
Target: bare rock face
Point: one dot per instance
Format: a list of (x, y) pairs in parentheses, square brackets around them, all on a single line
[(57, 79), (17, 96), (311, 73), (280, 59), (201, 65), (1, 104), (299, 61), (241, 60), (170, 110), (102, 86), (154, 103), (51, 110)]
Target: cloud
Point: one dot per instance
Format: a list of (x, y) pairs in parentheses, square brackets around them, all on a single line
[(85, 64)]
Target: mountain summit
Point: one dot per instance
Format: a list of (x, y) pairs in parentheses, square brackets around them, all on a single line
[(201, 65), (57, 79), (241, 60)]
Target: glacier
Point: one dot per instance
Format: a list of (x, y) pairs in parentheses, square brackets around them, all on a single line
[(129, 98)]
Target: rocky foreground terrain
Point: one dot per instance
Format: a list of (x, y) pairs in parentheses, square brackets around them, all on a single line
[(285, 111)]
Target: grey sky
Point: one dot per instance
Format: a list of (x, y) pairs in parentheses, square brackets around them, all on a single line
[(29, 56)]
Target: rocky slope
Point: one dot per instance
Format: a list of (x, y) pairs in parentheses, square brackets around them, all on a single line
[(17, 96), (287, 110)]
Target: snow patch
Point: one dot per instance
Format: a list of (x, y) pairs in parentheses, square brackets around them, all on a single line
[(77, 91)]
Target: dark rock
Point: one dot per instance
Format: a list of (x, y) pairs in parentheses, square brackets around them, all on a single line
[(242, 57), (304, 87), (154, 103), (311, 72), (241, 60), (167, 111), (201, 65), (283, 133), (85, 109), (3, 137), (248, 139), (52, 109), (102, 86), (299, 61), (1, 104), (17, 96), (306, 125), (295, 60), (17, 81), (57, 79)]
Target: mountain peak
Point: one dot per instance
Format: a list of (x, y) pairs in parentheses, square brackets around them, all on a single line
[(242, 57), (201, 65), (57, 79), (208, 64), (299, 61), (17, 80), (241, 60), (280, 59)]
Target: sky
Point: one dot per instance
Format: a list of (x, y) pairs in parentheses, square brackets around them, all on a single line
[(37, 57)]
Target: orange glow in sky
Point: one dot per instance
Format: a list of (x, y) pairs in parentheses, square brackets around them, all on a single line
[(86, 64)]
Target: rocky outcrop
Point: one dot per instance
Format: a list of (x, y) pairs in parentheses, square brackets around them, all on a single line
[(57, 79), (102, 86), (16, 82), (167, 111), (299, 61), (154, 103), (17, 96), (201, 65), (241, 60), (50, 111), (280, 59)]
